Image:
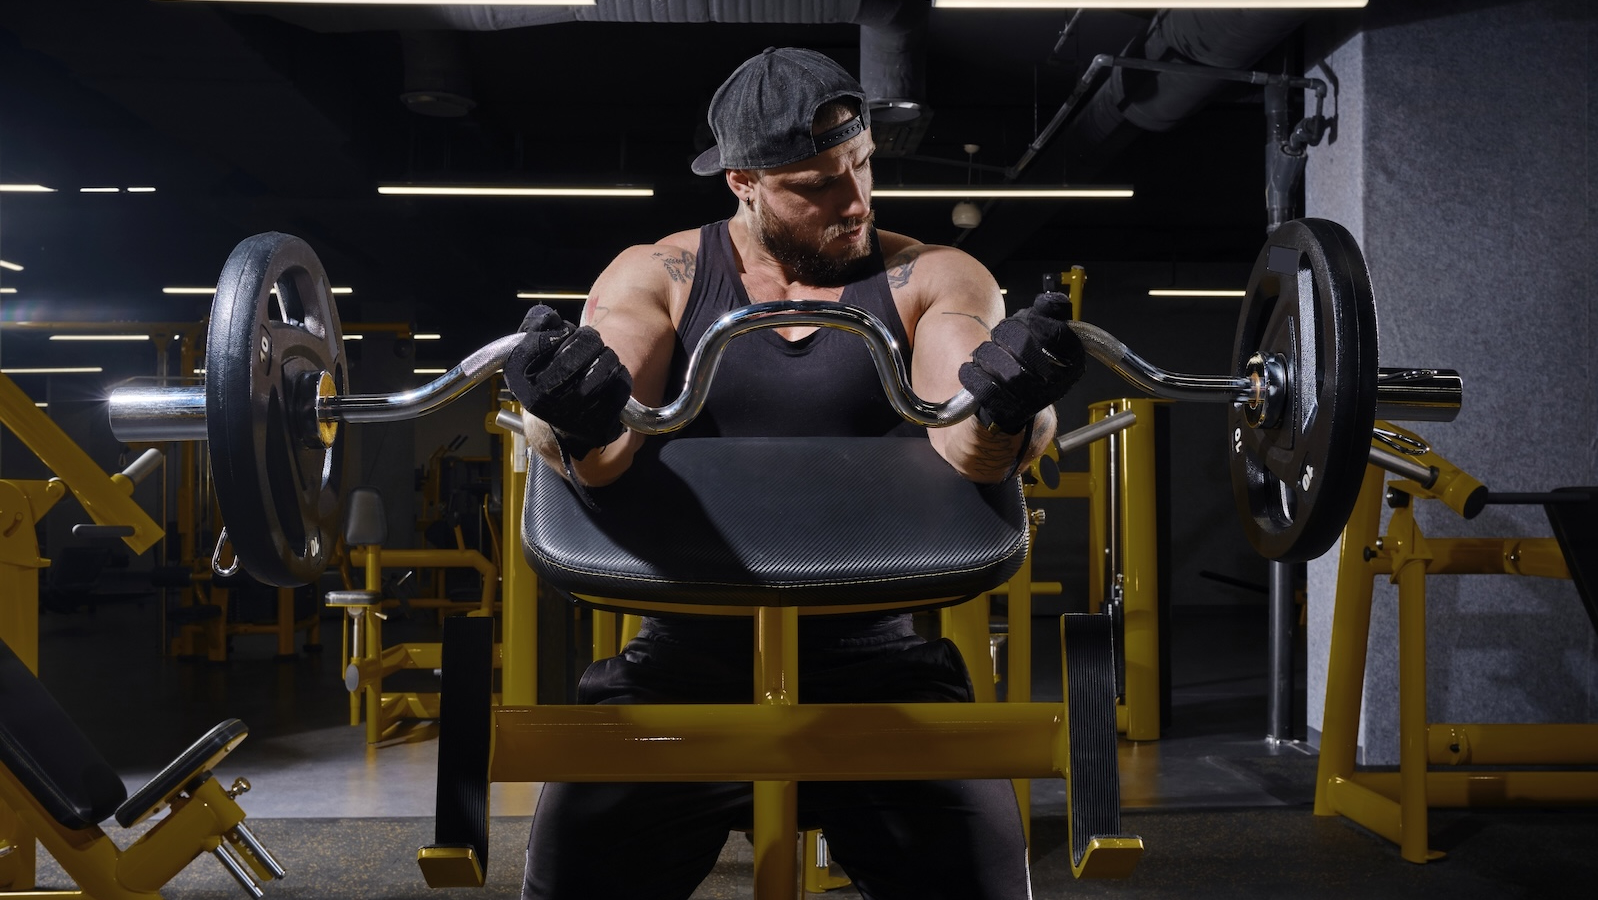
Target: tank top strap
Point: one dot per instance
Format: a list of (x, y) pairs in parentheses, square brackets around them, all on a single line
[(717, 287)]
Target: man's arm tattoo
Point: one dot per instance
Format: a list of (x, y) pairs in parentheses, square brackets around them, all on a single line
[(593, 310), (900, 267), (973, 317), (680, 267)]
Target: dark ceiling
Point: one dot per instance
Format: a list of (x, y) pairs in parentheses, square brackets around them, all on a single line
[(250, 118)]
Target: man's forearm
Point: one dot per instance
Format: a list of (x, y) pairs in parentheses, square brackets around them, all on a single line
[(987, 457)]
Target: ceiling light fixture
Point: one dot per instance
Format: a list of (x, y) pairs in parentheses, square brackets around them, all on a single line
[(212, 290), (429, 371), (1002, 193), (424, 2), (99, 337), (99, 190), (1182, 292), (8, 290), (427, 336), (27, 188), (551, 295), (56, 370), (141, 190), (354, 337), (10, 265), (1149, 4), (442, 190)]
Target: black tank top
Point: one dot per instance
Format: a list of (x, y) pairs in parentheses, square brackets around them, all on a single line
[(824, 384)]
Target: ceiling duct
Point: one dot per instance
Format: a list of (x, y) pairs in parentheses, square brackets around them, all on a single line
[(1131, 101), (893, 37), (436, 79)]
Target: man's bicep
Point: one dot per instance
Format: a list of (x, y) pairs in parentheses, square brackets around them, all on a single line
[(963, 306), (629, 305)]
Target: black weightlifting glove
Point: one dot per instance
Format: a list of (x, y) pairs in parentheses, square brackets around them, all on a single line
[(566, 376), (1031, 360)]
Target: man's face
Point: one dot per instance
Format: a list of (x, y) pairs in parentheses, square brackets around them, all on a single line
[(814, 216)]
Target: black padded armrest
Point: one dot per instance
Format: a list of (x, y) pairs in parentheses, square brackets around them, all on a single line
[(778, 522), (49, 754), (191, 765)]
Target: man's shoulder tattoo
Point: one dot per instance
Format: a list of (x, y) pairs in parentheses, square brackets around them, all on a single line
[(901, 265), (679, 265)]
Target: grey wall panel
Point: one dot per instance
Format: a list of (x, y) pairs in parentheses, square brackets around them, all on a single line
[(1463, 163)]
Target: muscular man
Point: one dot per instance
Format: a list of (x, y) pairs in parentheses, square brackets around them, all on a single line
[(794, 146)]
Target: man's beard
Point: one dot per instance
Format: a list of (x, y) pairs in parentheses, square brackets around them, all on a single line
[(806, 261)]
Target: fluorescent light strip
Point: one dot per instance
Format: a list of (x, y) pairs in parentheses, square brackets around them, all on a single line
[(42, 405), (354, 337), (27, 188), (427, 336), (99, 337), (58, 370), (426, 2), (1149, 4), (966, 193), (99, 190), (468, 191), (1176, 292), (429, 371), (141, 190), (551, 295), (8, 290), (212, 290), (10, 265)]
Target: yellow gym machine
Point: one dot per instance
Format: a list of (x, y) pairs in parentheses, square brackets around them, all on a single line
[(1303, 390), (54, 786), (1395, 804), (365, 661), (59, 788)]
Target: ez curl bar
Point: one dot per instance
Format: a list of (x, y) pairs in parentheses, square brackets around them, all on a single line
[(1304, 392)]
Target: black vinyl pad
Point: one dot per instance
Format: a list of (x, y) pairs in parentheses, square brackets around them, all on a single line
[(778, 522), (49, 754)]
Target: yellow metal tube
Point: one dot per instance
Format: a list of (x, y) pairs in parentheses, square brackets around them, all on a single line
[(1351, 617), (754, 742), (88, 857), (1461, 790), (1412, 710), (968, 625), (519, 617), (1517, 744), (777, 655), (106, 501), (194, 826), (1140, 568)]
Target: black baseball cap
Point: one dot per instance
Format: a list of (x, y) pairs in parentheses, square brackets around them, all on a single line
[(762, 114)]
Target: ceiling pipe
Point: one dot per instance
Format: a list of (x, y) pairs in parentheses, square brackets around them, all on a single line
[(1093, 124), (893, 33)]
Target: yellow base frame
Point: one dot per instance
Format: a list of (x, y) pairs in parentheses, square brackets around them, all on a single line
[(1395, 804)]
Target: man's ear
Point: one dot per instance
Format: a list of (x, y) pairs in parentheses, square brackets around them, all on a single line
[(742, 183)]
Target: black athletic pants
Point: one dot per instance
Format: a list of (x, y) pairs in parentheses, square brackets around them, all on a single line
[(895, 839)]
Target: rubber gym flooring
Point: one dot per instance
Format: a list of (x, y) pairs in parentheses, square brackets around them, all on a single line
[(1223, 813)]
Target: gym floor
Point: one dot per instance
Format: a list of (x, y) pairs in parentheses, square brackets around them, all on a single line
[(1223, 813)]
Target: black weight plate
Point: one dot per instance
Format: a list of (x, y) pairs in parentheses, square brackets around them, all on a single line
[(279, 490), (1310, 303)]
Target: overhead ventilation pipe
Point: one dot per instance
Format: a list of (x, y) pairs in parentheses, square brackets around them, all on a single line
[(893, 33), (1134, 101)]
